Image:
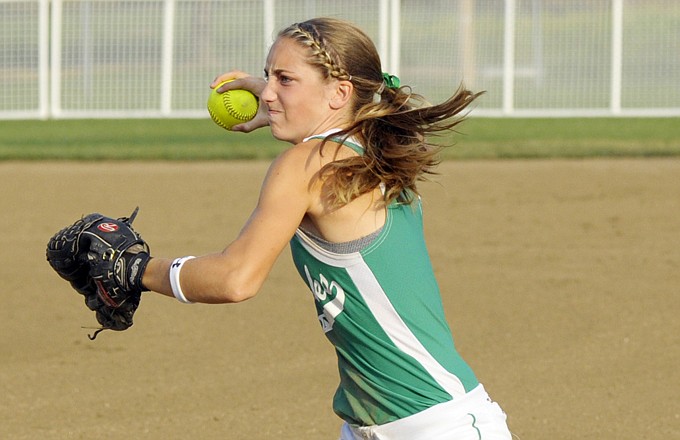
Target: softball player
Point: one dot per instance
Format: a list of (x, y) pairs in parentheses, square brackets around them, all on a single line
[(344, 198)]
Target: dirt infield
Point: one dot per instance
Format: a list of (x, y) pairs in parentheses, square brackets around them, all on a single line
[(561, 281)]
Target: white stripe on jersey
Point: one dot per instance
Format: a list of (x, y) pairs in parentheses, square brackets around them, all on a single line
[(398, 331), (385, 314)]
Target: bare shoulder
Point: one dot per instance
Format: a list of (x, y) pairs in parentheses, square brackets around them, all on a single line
[(295, 177), (294, 172), (310, 156)]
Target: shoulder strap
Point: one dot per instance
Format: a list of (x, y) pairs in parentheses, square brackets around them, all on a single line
[(349, 142)]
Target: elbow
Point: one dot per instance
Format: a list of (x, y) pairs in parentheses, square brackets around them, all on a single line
[(218, 279), (235, 288), (237, 295)]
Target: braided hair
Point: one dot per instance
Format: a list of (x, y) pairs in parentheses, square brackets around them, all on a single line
[(392, 123)]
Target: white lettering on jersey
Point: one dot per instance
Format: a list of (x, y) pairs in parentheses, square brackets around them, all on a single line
[(330, 296)]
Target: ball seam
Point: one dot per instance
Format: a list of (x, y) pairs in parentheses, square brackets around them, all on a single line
[(226, 99)]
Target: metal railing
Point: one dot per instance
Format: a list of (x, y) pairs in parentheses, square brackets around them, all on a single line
[(154, 58)]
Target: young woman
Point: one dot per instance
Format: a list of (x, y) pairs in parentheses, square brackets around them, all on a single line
[(344, 197)]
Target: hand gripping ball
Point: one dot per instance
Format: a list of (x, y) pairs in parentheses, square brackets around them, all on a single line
[(232, 107)]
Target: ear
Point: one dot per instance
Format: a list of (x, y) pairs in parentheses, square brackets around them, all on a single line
[(344, 90)]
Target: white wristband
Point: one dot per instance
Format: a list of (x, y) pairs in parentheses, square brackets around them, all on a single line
[(175, 268)]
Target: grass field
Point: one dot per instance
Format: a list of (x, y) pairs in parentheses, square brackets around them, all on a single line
[(200, 139)]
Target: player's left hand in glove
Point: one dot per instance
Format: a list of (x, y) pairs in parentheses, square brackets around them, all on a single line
[(104, 260)]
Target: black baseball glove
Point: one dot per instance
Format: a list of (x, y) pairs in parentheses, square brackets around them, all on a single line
[(104, 260)]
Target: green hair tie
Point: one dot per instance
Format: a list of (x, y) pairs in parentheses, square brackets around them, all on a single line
[(391, 81)]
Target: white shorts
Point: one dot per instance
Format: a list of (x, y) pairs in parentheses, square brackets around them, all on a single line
[(471, 417)]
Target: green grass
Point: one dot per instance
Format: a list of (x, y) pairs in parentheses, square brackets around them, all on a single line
[(138, 139), (571, 138), (200, 139)]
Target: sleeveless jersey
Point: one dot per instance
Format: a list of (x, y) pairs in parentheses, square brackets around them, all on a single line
[(381, 309)]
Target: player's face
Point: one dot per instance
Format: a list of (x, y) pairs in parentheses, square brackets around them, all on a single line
[(297, 96)]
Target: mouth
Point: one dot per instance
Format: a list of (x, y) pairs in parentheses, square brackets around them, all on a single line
[(274, 116)]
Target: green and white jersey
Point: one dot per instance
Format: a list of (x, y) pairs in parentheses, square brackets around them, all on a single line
[(381, 308)]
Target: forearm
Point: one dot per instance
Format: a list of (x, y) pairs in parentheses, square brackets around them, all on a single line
[(156, 276), (208, 279), (238, 272)]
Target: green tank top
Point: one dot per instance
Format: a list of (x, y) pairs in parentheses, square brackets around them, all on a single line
[(381, 309)]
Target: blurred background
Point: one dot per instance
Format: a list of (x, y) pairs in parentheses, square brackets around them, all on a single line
[(154, 58)]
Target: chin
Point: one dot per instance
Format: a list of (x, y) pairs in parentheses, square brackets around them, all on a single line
[(283, 136)]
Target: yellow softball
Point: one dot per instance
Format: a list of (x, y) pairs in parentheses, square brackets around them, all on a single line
[(232, 107)]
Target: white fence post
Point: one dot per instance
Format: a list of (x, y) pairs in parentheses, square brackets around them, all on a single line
[(44, 59), (167, 57), (383, 33), (617, 56), (395, 37), (268, 25), (466, 45), (509, 58), (55, 67)]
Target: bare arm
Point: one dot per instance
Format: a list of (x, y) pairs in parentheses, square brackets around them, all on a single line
[(237, 273)]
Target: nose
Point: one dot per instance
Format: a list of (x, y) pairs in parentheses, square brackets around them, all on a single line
[(267, 94)]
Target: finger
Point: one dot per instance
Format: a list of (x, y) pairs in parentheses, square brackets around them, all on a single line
[(232, 75), (250, 83), (246, 127), (251, 125)]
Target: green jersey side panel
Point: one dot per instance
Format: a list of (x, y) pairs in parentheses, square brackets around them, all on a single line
[(385, 318)]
